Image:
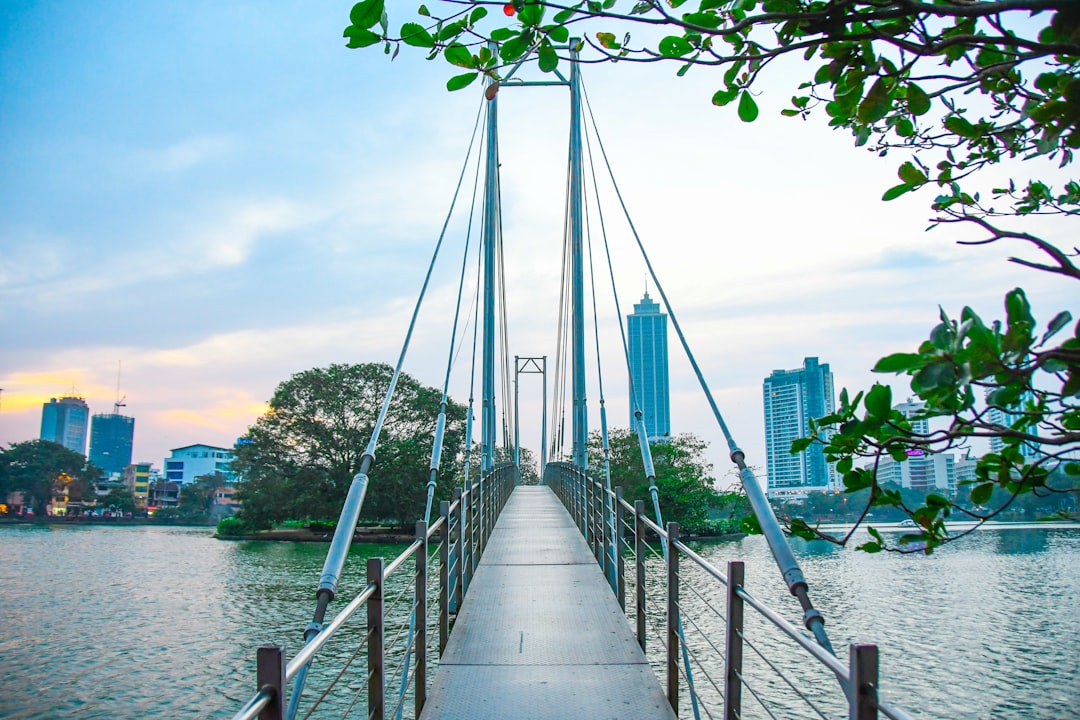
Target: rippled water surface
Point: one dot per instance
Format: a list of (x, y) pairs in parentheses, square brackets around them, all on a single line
[(132, 622)]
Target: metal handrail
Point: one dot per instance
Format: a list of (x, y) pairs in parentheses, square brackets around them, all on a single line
[(587, 486), (440, 531)]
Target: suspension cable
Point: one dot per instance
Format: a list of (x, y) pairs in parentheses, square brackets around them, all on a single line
[(782, 553)]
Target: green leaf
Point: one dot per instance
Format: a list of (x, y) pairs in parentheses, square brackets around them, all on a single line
[(531, 13), (458, 54), (980, 494), (416, 35), (879, 401), (748, 109), (800, 444), (918, 102), (359, 37), (723, 97), (607, 40), (1017, 308), (911, 175), (366, 14), (502, 34), (704, 19), (960, 126), (547, 57), (1060, 320), (477, 14), (515, 47), (459, 81), (935, 375), (564, 15), (898, 363), (674, 46), (933, 500), (870, 547), (558, 33), (877, 102), (896, 191), (800, 529)]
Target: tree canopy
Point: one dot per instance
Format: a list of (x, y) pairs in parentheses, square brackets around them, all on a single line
[(297, 461), (683, 476), (36, 468), (975, 82)]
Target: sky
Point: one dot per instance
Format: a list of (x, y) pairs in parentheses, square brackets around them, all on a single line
[(212, 196)]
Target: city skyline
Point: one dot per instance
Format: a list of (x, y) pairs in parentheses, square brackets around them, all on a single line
[(224, 197)]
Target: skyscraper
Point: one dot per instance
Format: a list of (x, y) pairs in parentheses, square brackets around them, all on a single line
[(792, 397), (64, 421), (646, 330), (111, 437), (1005, 418)]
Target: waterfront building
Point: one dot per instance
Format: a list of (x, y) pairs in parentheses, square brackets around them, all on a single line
[(137, 481), (111, 439), (1005, 418), (193, 461), (792, 398), (646, 331), (65, 421), (909, 409), (163, 494), (929, 472)]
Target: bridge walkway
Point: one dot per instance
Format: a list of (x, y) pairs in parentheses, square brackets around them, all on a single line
[(540, 635)]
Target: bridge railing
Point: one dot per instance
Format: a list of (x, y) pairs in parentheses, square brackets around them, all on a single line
[(719, 651), (397, 642)]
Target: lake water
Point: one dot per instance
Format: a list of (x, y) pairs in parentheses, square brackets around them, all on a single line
[(154, 622)]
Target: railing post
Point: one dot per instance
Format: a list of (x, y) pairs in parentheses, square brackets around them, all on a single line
[(420, 683), (639, 561), (376, 659), (673, 617), (466, 534), (734, 653), (459, 586), (863, 668), (598, 535), (270, 671), (605, 537), (620, 555), (444, 577)]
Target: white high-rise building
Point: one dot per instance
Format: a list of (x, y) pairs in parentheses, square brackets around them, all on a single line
[(792, 398)]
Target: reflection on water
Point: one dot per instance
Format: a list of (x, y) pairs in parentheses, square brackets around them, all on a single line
[(132, 622)]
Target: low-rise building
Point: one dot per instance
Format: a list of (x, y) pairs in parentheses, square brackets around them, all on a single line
[(188, 463), (137, 480)]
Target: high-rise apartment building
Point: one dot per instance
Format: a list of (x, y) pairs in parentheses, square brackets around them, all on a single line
[(646, 330), (111, 438), (65, 421), (792, 398), (1030, 451)]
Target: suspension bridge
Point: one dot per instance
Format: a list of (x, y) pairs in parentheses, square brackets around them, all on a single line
[(563, 598)]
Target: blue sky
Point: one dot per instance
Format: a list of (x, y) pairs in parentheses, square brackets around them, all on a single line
[(219, 194)]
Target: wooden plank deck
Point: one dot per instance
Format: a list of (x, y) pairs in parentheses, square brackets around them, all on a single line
[(540, 634)]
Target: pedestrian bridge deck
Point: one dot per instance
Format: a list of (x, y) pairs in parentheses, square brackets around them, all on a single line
[(540, 634)]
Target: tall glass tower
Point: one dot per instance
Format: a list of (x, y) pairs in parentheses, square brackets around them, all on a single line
[(792, 397), (646, 330), (65, 421), (111, 437)]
